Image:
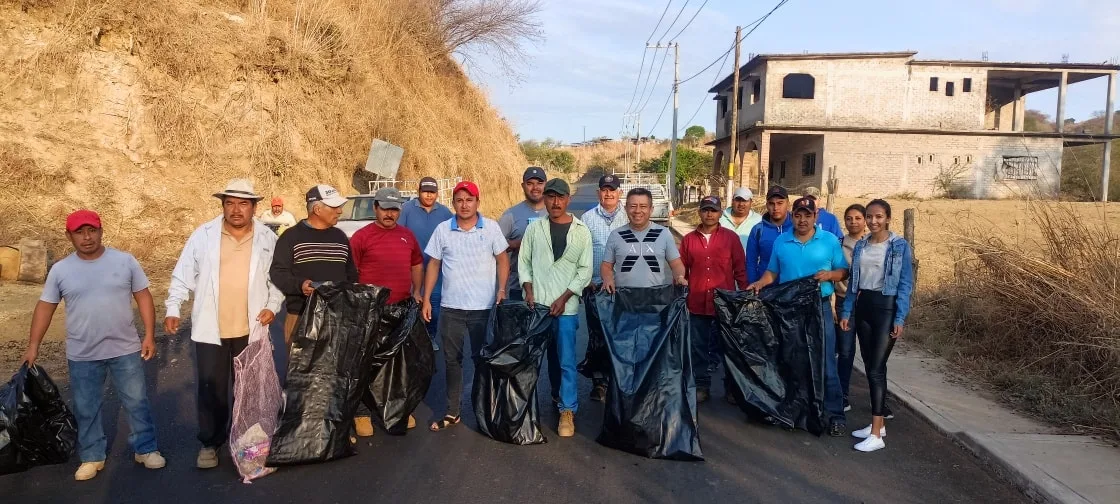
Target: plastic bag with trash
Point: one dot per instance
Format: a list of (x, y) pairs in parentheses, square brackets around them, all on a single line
[(404, 363), (256, 405), (36, 427)]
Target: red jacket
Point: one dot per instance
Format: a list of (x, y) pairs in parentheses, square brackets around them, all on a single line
[(714, 263)]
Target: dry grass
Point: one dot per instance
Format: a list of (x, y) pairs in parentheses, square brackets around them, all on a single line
[(613, 155), (171, 99), (1039, 320)]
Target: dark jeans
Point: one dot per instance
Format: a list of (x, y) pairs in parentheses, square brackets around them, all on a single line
[(845, 351), (874, 316), (455, 327), (215, 388), (704, 329), (833, 396)]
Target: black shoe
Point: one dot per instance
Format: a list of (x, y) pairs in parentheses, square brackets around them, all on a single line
[(599, 393), (730, 398), (702, 395), (837, 429), (887, 413)]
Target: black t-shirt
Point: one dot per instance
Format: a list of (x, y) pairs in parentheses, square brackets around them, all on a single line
[(559, 238)]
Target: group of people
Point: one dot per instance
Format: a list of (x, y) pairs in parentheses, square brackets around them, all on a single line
[(457, 265)]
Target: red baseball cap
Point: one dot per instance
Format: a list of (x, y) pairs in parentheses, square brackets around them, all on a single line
[(468, 186), (82, 218)]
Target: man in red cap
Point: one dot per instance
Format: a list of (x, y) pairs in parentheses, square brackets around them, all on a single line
[(99, 284), (469, 252), (277, 218)]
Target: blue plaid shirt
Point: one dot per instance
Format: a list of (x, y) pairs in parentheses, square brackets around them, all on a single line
[(601, 223)]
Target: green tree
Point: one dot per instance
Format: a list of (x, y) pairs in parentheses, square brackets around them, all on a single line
[(694, 134), (692, 165)]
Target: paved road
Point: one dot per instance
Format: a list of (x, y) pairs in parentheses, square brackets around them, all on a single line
[(744, 462)]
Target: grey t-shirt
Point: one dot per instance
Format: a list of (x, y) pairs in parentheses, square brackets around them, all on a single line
[(98, 297), (513, 224), (641, 258)]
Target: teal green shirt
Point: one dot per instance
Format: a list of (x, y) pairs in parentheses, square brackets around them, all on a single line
[(551, 277)]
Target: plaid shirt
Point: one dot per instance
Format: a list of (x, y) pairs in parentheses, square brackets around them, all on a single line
[(600, 223)]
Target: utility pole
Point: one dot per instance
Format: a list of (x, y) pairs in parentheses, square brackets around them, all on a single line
[(734, 118), (670, 180), (638, 135)]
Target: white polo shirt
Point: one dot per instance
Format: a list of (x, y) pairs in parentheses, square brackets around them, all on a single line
[(468, 264)]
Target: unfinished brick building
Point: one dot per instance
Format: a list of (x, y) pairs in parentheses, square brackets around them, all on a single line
[(886, 123)]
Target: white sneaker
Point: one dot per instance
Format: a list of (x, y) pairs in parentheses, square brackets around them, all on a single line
[(865, 432), (871, 444)]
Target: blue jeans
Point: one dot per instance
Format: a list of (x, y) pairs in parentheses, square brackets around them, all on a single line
[(833, 396), (87, 381), (562, 369), (704, 329), (845, 352), (433, 326)]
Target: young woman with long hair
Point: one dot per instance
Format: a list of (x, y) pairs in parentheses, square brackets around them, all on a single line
[(879, 289), (846, 339)]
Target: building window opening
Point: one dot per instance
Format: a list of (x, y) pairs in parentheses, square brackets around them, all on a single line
[(966, 86), (799, 86), (949, 88), (756, 91), (809, 164), (933, 84)]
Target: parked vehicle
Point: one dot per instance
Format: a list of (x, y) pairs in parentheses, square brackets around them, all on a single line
[(358, 212), (662, 206)]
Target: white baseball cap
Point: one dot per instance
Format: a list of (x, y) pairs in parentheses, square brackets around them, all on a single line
[(327, 194), (743, 193)]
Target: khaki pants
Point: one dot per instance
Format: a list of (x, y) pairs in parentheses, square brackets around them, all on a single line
[(290, 321)]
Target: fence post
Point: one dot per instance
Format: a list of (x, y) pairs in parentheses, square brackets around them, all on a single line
[(908, 217)]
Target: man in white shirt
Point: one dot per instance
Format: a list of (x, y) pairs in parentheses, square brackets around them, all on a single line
[(740, 217), (277, 218), (225, 263)]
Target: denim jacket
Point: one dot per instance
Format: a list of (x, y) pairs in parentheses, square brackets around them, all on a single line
[(898, 277)]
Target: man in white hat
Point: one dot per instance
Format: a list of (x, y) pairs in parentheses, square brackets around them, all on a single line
[(739, 217), (225, 263)]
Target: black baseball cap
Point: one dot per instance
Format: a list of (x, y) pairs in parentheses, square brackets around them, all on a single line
[(610, 181), (807, 204), (711, 203), (777, 192), (429, 184), (534, 172), (557, 186)]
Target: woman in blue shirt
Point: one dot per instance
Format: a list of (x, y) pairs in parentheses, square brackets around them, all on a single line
[(879, 288)]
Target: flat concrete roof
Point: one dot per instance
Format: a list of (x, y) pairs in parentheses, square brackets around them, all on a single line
[(1070, 138), (1099, 68)]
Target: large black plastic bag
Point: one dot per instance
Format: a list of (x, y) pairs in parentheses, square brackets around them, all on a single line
[(404, 362), (329, 369), (598, 356), (505, 376), (774, 351), (36, 427), (651, 400)]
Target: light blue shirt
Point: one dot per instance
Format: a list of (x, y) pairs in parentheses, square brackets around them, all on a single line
[(98, 297), (601, 223), (468, 263), (792, 260), (744, 228)]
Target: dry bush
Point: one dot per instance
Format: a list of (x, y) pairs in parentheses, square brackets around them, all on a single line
[(1042, 321), (289, 93), (497, 28)]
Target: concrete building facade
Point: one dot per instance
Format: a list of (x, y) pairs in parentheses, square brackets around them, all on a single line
[(884, 124)]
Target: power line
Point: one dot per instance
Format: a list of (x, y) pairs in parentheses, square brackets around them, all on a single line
[(650, 37), (660, 71), (663, 108), (755, 24), (697, 13), (714, 81), (670, 28), (642, 65)]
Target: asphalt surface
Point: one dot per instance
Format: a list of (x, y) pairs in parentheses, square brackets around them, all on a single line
[(744, 462)]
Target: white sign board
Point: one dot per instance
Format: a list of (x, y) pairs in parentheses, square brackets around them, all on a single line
[(384, 159)]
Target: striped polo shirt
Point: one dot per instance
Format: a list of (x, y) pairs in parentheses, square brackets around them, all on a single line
[(467, 262)]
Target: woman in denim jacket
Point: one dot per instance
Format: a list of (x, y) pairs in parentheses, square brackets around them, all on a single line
[(879, 288)]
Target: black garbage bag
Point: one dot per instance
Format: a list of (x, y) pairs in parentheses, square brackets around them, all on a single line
[(329, 370), (403, 364), (597, 360), (36, 427), (505, 373), (651, 400), (774, 351)]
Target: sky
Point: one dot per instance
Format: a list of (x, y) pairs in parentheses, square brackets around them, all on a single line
[(584, 74)]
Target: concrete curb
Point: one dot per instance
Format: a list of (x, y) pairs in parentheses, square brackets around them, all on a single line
[(1035, 483)]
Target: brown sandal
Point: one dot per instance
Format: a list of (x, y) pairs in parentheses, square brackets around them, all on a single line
[(446, 422)]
